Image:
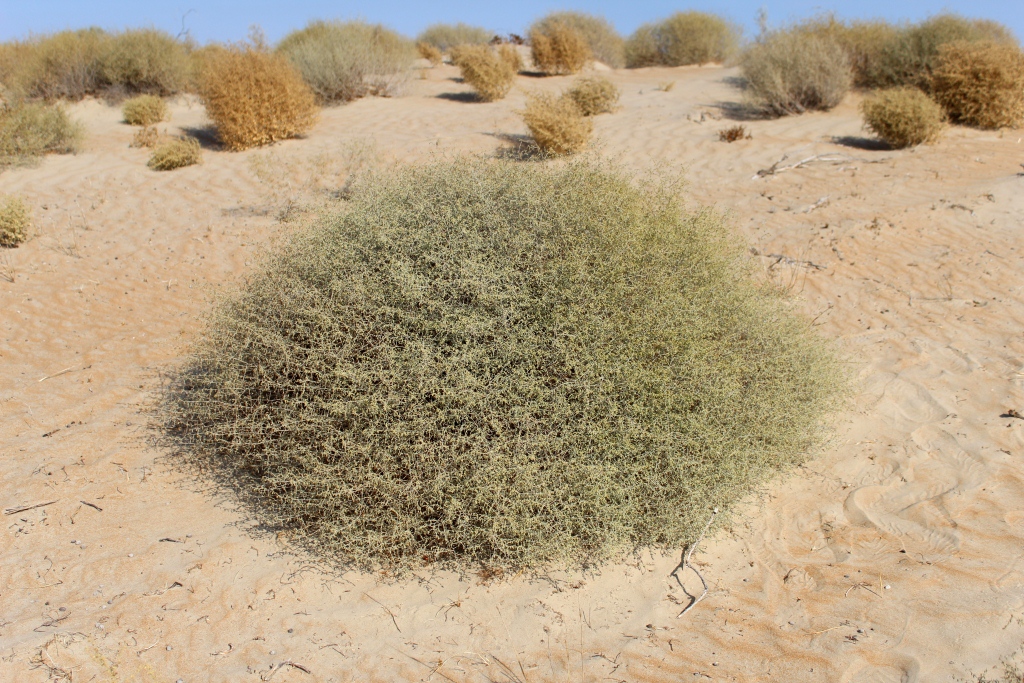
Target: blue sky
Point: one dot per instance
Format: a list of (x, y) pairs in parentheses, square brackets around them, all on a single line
[(231, 19)]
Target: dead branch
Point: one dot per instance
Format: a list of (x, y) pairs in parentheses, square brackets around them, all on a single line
[(684, 562)]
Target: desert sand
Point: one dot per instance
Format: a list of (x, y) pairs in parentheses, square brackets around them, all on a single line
[(895, 555)]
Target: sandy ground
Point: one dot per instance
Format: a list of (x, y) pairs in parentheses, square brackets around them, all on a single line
[(895, 555)]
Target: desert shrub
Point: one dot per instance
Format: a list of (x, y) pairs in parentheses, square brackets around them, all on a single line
[(144, 110), (509, 53), (64, 65), (593, 95), (145, 61), (605, 43), (733, 134), (29, 130), (430, 53), (176, 153), (864, 42), (503, 364), (981, 84), (902, 117), (484, 70), (344, 60), (556, 124), (681, 39), (910, 56), (255, 97), (147, 136), (15, 221), (788, 72), (446, 36), (559, 49)]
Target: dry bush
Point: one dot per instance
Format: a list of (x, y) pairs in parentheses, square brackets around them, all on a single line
[(144, 61), (144, 110), (501, 364), (605, 43), (902, 117), (342, 61), (556, 124), (593, 95), (910, 57), (30, 130), (64, 65), (484, 70), (733, 134), (446, 36), (789, 72), (864, 42), (681, 39), (147, 136), (15, 221), (255, 97), (176, 153), (559, 49), (981, 84), (509, 53), (430, 53)]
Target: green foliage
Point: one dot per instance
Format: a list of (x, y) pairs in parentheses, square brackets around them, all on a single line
[(681, 39), (486, 71), (593, 95), (791, 72), (176, 153), (504, 364), (981, 83), (342, 61), (446, 36), (606, 45), (903, 117), (15, 221), (30, 130), (144, 110)]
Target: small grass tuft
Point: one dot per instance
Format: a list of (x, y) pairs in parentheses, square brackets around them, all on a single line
[(255, 97), (593, 95), (981, 84), (734, 133), (790, 72), (556, 124), (147, 136), (682, 39), (498, 366), (484, 70), (605, 43), (30, 130), (903, 117), (176, 153), (15, 221), (446, 36), (559, 49), (144, 110)]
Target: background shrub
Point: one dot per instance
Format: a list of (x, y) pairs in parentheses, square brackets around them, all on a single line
[(255, 97), (144, 110), (15, 221), (681, 39), (29, 130), (864, 42), (559, 49), (510, 54), (484, 70), (437, 375), (176, 153), (902, 117), (593, 95), (430, 53), (605, 43), (556, 124), (981, 84), (64, 65), (144, 61), (789, 72), (446, 36), (147, 136), (344, 60)]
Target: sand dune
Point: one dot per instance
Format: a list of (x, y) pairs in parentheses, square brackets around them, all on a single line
[(896, 554)]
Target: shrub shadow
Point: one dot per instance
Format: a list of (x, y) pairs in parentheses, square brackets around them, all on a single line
[(857, 142), (741, 111), (460, 97), (206, 135)]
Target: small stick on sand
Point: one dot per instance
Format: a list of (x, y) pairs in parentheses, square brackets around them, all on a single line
[(685, 562), (14, 511), (92, 505), (390, 613), (57, 374)]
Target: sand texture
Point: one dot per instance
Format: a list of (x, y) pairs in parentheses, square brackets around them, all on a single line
[(895, 555)]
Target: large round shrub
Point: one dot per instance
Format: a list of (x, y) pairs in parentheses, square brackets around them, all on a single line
[(682, 39), (981, 84), (502, 363), (902, 117), (605, 43), (791, 72)]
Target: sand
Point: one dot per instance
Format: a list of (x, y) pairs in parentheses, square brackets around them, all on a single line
[(895, 554)]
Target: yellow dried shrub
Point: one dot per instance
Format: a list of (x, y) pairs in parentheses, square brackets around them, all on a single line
[(255, 97), (604, 41), (147, 136), (510, 54), (176, 153), (559, 49), (593, 95), (902, 117), (144, 110), (14, 221), (981, 84), (556, 124), (430, 53), (682, 39), (485, 71)]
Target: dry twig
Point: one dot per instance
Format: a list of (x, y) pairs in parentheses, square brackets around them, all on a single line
[(685, 562)]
